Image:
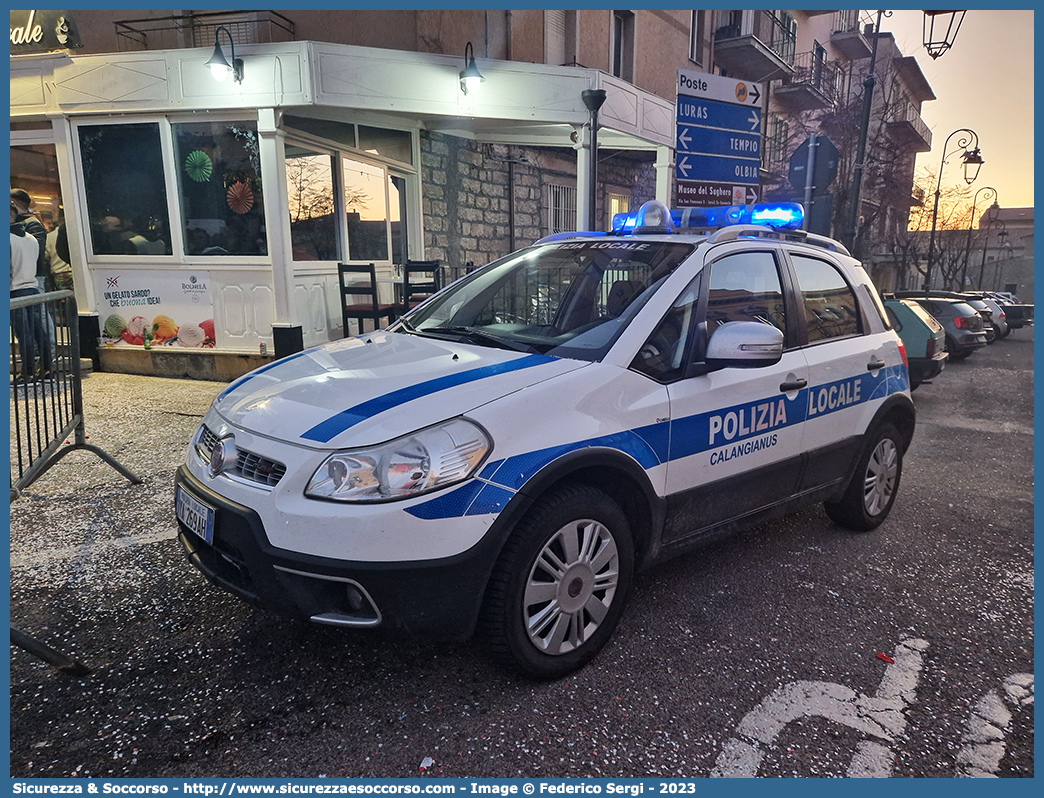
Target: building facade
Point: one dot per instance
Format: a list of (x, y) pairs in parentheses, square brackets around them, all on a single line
[(224, 208)]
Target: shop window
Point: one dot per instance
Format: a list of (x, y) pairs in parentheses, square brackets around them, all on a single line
[(397, 206), (366, 208), (34, 168), (338, 132), (310, 200), (219, 185), (396, 145), (617, 203), (126, 196)]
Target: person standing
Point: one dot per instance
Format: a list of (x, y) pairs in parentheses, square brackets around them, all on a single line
[(33, 226), (27, 324), (60, 269)]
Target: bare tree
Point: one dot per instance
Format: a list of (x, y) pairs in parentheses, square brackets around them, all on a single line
[(311, 202)]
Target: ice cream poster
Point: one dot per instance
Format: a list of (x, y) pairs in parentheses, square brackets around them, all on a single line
[(151, 309)]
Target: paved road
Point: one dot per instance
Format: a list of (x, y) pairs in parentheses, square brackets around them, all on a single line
[(757, 655)]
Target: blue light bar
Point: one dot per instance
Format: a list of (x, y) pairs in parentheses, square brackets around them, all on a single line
[(780, 215), (652, 217)]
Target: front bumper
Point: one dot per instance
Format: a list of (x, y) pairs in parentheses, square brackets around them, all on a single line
[(436, 598)]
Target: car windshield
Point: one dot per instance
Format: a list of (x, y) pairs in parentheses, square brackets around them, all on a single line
[(568, 298)]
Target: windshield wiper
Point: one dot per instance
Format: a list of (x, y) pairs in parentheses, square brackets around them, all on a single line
[(482, 336)]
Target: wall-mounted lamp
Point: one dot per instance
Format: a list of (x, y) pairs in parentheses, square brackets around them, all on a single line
[(219, 66), (938, 38), (470, 77)]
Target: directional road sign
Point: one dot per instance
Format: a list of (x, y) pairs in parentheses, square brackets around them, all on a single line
[(718, 139)]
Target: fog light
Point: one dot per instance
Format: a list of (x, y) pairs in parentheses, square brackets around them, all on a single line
[(355, 598)]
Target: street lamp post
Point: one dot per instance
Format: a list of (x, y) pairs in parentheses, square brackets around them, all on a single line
[(992, 221), (1009, 253), (972, 160), (991, 194)]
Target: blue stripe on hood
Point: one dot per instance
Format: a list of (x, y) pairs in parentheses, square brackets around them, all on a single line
[(327, 430)]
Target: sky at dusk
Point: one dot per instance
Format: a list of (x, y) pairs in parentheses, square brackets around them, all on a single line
[(984, 82)]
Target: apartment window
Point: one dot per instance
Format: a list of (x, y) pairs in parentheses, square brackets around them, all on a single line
[(623, 45), (559, 208), (776, 139), (696, 34), (560, 38)]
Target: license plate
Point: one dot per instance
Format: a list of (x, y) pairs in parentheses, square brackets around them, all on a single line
[(194, 514)]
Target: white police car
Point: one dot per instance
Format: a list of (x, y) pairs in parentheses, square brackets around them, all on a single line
[(506, 455)]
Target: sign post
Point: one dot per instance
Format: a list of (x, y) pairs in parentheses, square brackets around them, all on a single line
[(718, 140)]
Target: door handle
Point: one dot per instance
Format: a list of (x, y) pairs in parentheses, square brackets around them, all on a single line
[(793, 386), (875, 364)]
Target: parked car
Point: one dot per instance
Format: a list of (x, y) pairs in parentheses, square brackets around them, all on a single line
[(960, 321), (999, 319), (510, 452), (1017, 314), (923, 337), (973, 299)]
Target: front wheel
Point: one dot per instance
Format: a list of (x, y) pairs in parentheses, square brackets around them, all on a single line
[(560, 585), (869, 497)]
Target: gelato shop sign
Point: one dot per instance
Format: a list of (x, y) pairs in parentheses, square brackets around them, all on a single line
[(150, 309), (37, 31)]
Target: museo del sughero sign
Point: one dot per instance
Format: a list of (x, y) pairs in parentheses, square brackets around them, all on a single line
[(37, 31)]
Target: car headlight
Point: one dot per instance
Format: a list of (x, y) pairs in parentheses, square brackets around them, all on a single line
[(408, 466)]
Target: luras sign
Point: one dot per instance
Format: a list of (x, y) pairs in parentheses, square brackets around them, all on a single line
[(39, 31)]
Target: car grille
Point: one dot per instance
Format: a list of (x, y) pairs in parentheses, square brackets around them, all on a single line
[(249, 466)]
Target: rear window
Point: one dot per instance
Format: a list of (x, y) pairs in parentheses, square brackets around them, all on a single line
[(924, 316)]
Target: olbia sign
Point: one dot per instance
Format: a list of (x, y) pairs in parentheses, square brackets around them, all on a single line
[(38, 31)]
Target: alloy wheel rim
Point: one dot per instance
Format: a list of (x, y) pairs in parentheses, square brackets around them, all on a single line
[(881, 473), (571, 587)]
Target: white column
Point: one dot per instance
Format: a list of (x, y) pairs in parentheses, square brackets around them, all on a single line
[(584, 164), (664, 161), (277, 225)]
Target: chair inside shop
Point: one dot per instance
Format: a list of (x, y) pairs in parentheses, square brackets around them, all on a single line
[(359, 300), (420, 279)]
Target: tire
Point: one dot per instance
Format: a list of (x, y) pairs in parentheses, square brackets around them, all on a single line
[(560, 585), (875, 483)]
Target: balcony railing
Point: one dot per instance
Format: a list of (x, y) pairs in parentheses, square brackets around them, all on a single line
[(906, 115), (814, 72), (198, 30), (762, 25)]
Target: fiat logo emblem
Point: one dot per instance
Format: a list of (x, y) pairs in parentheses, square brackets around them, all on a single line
[(223, 456)]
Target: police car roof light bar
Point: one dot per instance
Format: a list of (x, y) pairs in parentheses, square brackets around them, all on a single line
[(778, 215), (652, 217)]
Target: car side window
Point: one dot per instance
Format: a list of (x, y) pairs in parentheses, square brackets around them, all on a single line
[(830, 305), (745, 286), (662, 356)]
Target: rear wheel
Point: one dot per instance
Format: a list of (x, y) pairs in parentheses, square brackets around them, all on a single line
[(870, 495), (560, 585)]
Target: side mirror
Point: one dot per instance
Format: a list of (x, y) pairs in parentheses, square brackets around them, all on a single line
[(744, 344)]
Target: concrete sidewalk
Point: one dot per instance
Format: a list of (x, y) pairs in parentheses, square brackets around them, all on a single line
[(82, 504)]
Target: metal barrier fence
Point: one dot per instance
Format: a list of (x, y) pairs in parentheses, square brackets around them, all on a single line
[(47, 410)]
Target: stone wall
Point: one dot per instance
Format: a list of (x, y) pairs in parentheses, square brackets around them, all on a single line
[(468, 189)]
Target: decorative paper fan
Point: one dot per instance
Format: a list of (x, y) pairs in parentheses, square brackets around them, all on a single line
[(240, 198), (198, 166)]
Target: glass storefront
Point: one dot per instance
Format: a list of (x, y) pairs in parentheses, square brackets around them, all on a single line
[(126, 197), (219, 185)]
